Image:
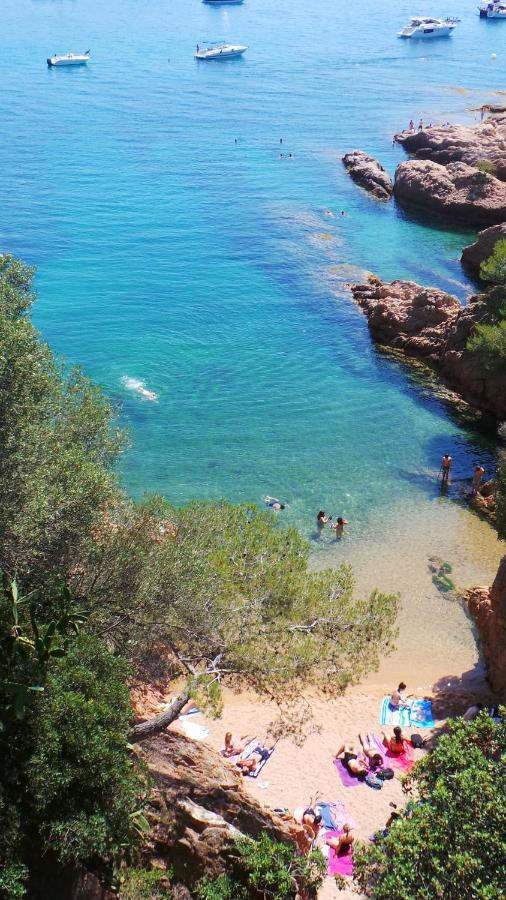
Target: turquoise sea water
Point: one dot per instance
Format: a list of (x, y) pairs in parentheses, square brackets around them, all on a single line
[(207, 268)]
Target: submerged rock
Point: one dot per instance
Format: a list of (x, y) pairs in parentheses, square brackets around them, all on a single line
[(369, 174), (473, 256), (457, 191), (460, 143), (433, 326)]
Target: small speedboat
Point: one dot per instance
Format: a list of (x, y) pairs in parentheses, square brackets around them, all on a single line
[(428, 28), (219, 50), (70, 59), (494, 10), (223, 2)]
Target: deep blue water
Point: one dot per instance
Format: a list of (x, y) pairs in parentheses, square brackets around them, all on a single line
[(207, 268)]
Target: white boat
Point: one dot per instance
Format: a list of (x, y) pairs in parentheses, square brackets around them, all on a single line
[(70, 59), (223, 2), (494, 10), (219, 50), (422, 27)]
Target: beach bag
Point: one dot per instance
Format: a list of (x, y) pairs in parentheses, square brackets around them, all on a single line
[(385, 774), (374, 782), (417, 741)]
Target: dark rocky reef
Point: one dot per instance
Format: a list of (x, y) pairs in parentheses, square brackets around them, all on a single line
[(433, 326), (458, 191), (369, 174), (473, 256), (460, 143), (488, 607)]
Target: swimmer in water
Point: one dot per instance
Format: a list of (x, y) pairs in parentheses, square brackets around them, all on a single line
[(328, 212), (338, 527), (274, 503), (321, 519)]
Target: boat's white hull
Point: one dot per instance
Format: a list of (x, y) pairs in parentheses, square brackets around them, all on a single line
[(493, 14), (232, 53), (223, 2), (426, 35), (56, 61)]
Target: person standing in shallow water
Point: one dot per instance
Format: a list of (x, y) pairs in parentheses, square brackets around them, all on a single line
[(446, 465), (478, 474)]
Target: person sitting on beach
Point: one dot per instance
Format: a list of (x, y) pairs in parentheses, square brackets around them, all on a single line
[(395, 744), (312, 823), (398, 698), (343, 842), (371, 751), (321, 519), (234, 745), (352, 762), (259, 753)]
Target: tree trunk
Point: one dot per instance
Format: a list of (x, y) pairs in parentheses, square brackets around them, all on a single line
[(158, 723)]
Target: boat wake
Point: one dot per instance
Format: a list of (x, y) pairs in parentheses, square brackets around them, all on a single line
[(138, 387)]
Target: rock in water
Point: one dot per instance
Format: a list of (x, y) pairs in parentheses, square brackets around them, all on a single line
[(473, 256), (460, 143), (458, 191), (433, 326), (369, 174)]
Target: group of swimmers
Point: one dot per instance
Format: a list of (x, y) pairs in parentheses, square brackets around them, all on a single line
[(338, 525)]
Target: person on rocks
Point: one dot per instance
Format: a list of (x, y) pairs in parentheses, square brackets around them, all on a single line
[(411, 125), (420, 125), (478, 474)]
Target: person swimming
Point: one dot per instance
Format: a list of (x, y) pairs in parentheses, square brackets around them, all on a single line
[(274, 503)]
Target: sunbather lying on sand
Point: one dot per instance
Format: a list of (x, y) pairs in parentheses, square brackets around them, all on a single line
[(345, 840), (235, 744), (263, 751), (371, 751), (351, 760), (312, 823)]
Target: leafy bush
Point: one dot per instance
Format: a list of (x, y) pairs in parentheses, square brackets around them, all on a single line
[(453, 843), (488, 343), (266, 869), (493, 269), (144, 884), (485, 165)]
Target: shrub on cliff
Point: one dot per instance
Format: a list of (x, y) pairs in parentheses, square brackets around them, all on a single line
[(69, 791), (57, 446), (452, 843), (488, 340)]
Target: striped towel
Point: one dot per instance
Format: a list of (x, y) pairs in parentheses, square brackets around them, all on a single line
[(417, 715)]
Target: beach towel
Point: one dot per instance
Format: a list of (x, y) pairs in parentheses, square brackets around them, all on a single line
[(347, 780), (243, 754), (256, 771), (403, 762), (339, 863), (193, 729), (325, 811), (417, 715)]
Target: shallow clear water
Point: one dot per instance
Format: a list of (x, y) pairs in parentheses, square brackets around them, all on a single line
[(209, 270)]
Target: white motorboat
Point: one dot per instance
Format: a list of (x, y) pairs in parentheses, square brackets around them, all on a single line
[(70, 59), (421, 27), (493, 10), (223, 2), (219, 50)]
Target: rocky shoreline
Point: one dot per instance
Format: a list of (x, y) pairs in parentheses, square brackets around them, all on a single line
[(433, 326)]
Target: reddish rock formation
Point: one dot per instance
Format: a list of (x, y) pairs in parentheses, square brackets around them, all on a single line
[(473, 256), (369, 174), (488, 606), (457, 191), (199, 807), (460, 143), (433, 326)]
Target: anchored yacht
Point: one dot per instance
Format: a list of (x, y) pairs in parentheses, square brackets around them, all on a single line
[(219, 50), (494, 10), (428, 28), (70, 59)]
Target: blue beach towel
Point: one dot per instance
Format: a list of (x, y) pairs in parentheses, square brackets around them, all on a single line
[(417, 715), (324, 810)]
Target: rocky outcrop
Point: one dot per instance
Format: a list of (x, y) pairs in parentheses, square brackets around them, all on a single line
[(369, 174), (460, 143), (473, 256), (488, 606), (456, 191), (433, 326), (199, 807)]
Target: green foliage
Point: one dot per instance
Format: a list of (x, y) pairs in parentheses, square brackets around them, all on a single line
[(229, 592), (485, 165), (13, 877), (453, 843), (144, 884), (56, 444), (266, 869), (493, 269), (488, 343), (500, 510)]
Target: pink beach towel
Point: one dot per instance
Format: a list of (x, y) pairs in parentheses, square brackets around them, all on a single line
[(404, 761), (339, 863), (346, 779)]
